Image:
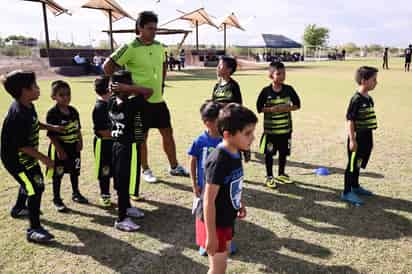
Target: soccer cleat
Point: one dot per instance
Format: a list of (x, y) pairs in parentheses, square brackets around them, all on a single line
[(202, 251), (148, 176), (126, 225), (362, 191), (137, 198), (38, 235), (270, 182), (45, 231), (179, 171), (79, 198), (351, 198), (284, 179), (105, 201), (59, 205), (134, 212), (19, 212)]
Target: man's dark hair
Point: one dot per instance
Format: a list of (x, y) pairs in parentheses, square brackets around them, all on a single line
[(365, 73), (277, 65), (101, 85), (234, 117), (15, 81), (59, 85), (122, 76), (144, 18), (230, 62), (209, 111)]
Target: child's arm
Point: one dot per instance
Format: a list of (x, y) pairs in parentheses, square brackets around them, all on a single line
[(105, 133), (79, 145), (61, 154), (353, 145), (193, 167), (136, 90), (31, 151), (49, 127), (212, 244)]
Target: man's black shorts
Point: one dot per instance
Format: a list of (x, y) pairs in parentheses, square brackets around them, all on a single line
[(156, 115), (271, 144)]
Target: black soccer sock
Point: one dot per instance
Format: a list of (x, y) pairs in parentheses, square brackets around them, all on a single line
[(282, 164), (33, 204), (57, 181), (104, 186), (269, 165), (21, 199), (74, 179)]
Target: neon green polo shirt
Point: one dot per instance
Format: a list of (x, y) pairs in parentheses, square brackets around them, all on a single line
[(145, 63)]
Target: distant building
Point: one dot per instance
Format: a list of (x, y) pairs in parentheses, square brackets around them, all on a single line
[(30, 42)]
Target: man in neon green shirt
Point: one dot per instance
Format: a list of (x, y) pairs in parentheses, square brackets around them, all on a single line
[(145, 58)]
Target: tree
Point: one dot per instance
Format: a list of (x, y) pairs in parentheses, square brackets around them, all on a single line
[(315, 36)]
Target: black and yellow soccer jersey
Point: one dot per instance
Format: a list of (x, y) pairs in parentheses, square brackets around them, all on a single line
[(361, 112), (70, 122), (227, 93), (277, 122), (101, 120), (20, 129), (127, 119)]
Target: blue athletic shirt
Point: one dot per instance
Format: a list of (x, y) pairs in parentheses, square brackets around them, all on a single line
[(201, 149)]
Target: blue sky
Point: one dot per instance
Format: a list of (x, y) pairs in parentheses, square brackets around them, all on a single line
[(364, 22)]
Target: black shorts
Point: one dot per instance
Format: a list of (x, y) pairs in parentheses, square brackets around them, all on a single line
[(407, 60), (156, 115), (31, 180), (102, 149), (126, 167), (361, 156), (70, 165), (271, 144)]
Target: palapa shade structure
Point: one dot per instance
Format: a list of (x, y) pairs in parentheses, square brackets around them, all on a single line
[(196, 18), (112, 10), (231, 21), (55, 8)]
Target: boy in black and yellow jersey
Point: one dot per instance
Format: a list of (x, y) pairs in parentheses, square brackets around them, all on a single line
[(277, 101), (126, 115), (103, 143), (361, 121), (19, 150), (64, 147), (226, 90)]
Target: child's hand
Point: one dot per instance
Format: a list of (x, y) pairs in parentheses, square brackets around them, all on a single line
[(58, 129), (197, 190), (242, 212), (212, 244), (47, 162), (353, 145), (119, 87), (61, 154)]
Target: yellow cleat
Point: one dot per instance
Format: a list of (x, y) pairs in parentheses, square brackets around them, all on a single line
[(284, 179), (271, 183)]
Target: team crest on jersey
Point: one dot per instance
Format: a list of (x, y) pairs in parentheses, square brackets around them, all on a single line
[(236, 192), (359, 163), (106, 170), (59, 170)]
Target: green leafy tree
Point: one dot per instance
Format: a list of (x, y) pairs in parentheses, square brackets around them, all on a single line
[(315, 36)]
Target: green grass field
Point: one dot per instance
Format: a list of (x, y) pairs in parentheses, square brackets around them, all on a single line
[(300, 228)]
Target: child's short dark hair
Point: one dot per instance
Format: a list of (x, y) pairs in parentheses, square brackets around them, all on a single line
[(101, 85), (59, 85), (14, 82), (146, 17), (230, 62), (276, 65), (122, 76), (209, 111), (365, 73), (234, 117)]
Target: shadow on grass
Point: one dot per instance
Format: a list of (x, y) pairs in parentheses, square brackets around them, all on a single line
[(311, 207), (122, 257), (256, 244), (260, 158)]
